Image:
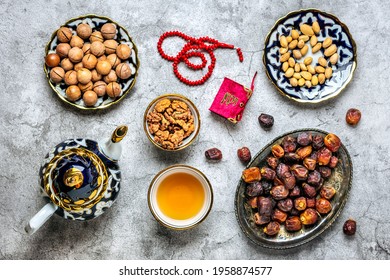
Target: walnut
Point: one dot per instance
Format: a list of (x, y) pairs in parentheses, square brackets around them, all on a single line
[(162, 105), (177, 137), (191, 129), (179, 104), (170, 123), (153, 117), (180, 116), (154, 127), (162, 134), (164, 124), (183, 124), (169, 118), (168, 145)]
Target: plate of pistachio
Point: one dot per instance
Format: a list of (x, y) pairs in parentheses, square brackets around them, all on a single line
[(310, 56), (293, 189)]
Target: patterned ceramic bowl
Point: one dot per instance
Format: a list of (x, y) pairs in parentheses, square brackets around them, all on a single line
[(330, 27), (122, 36), (341, 179)]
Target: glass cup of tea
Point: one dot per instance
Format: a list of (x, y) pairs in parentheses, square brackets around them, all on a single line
[(180, 197)]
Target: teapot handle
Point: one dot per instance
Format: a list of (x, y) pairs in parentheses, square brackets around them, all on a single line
[(40, 218)]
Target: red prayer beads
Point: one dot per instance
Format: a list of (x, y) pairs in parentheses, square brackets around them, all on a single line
[(194, 48)]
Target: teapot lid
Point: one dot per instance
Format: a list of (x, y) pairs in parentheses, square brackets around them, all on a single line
[(75, 179)]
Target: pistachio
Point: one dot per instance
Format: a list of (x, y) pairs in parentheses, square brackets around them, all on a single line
[(322, 61), (316, 27), (294, 34), (289, 39), (297, 68), (293, 82), (316, 48), (297, 75), (285, 66), (283, 41), (313, 40), (301, 44), (320, 69), (285, 57), (297, 54), (330, 50), (311, 69), (314, 80), (304, 38), (301, 82), (289, 73), (327, 42), (308, 84), (291, 62), (283, 50), (304, 50), (334, 58), (306, 75), (308, 60), (321, 78), (293, 44), (328, 72), (306, 30)]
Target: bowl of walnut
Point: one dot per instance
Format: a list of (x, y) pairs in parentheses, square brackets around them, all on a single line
[(171, 122), (91, 62)]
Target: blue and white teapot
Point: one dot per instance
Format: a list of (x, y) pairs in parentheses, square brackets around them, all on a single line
[(81, 177)]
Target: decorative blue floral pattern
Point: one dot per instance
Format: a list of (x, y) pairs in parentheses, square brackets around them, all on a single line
[(330, 27), (114, 178)]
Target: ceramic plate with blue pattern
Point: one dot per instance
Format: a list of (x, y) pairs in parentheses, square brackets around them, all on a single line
[(331, 27), (122, 36)]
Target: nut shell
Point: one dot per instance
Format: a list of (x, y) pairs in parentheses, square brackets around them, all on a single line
[(84, 30), (110, 77), (97, 48), (110, 46), (64, 34), (75, 54), (114, 60), (100, 88), (85, 87), (123, 51), (113, 89), (52, 60), (90, 98), (103, 67), (84, 76), (66, 64), (63, 49), (73, 93), (96, 36), (71, 78), (95, 76), (76, 41), (57, 74), (108, 31), (89, 61), (123, 71)]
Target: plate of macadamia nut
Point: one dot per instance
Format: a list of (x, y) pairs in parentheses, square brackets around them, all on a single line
[(309, 56), (91, 62), (294, 188)]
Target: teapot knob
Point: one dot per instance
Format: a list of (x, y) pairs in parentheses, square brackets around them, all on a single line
[(119, 133), (73, 178)]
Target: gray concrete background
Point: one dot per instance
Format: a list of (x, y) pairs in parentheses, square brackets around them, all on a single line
[(33, 119)]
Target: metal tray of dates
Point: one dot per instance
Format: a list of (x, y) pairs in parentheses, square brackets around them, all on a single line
[(341, 179)]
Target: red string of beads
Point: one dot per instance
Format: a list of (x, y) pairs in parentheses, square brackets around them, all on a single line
[(195, 47)]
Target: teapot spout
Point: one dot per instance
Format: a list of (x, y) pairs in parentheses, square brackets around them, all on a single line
[(119, 133), (112, 148)]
